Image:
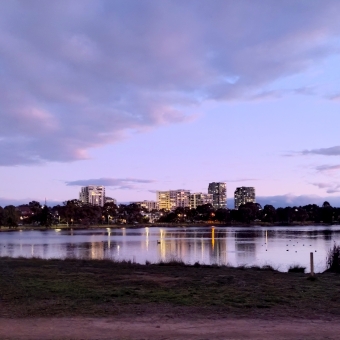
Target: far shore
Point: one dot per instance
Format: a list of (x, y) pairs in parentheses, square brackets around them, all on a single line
[(164, 225)]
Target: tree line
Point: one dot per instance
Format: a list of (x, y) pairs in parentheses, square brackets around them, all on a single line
[(76, 212), (253, 212)]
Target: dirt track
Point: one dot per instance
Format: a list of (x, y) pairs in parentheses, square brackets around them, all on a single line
[(164, 328)]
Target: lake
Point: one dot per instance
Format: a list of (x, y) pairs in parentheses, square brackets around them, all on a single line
[(279, 247)]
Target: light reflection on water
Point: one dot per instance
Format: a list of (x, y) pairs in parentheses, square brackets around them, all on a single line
[(276, 246)]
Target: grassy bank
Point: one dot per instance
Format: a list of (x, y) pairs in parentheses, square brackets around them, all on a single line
[(35, 287)]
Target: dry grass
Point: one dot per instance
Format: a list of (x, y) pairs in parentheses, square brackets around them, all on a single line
[(35, 287)]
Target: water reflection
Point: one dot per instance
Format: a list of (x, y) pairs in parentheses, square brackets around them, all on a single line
[(277, 246)]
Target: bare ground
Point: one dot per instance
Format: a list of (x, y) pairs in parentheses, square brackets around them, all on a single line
[(156, 327)]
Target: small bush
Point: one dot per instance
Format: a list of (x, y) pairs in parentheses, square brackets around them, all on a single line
[(268, 267), (197, 264), (333, 259), (242, 267), (171, 262), (296, 269)]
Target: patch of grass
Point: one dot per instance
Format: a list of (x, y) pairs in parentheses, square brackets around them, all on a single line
[(36, 287)]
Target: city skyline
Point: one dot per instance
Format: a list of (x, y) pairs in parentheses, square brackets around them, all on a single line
[(145, 96)]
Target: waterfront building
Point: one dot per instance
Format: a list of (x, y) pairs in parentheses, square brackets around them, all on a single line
[(92, 194), (200, 198), (172, 199), (244, 195), (219, 192), (149, 205), (163, 200), (110, 200)]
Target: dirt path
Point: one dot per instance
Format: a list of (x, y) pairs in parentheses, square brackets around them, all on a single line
[(162, 328)]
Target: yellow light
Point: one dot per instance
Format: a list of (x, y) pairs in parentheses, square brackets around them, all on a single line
[(213, 237)]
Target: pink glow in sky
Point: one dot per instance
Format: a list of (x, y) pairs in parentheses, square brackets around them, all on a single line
[(155, 95)]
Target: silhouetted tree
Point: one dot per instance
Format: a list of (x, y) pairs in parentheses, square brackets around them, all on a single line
[(222, 215), (11, 216), (327, 213), (269, 214), (1, 216), (45, 217)]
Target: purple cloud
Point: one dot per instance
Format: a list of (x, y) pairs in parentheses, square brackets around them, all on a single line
[(293, 200), (332, 151), (328, 168), (78, 75), (11, 201), (282, 201), (331, 187), (240, 180), (118, 183), (335, 97)]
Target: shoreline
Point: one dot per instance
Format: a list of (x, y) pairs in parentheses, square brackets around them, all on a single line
[(164, 225)]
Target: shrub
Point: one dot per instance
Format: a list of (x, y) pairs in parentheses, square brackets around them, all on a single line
[(296, 269), (171, 262), (333, 259)]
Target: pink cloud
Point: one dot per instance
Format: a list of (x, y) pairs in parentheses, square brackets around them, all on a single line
[(70, 70)]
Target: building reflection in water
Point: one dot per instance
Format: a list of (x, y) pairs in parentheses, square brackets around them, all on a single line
[(97, 250), (108, 237), (147, 238), (245, 247), (204, 245), (218, 250)]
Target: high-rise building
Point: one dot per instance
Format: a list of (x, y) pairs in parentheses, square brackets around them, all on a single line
[(244, 195), (163, 200), (93, 194), (172, 199), (149, 205), (199, 198), (219, 192)]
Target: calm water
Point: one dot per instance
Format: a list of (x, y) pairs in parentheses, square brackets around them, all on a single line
[(276, 246)]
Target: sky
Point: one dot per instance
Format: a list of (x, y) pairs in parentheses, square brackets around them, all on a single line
[(144, 95)]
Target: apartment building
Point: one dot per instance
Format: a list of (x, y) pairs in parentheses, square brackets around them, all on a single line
[(172, 199), (244, 195), (149, 205), (92, 194), (200, 198), (219, 192)]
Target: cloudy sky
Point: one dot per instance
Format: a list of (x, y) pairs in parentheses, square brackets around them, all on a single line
[(143, 95)]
